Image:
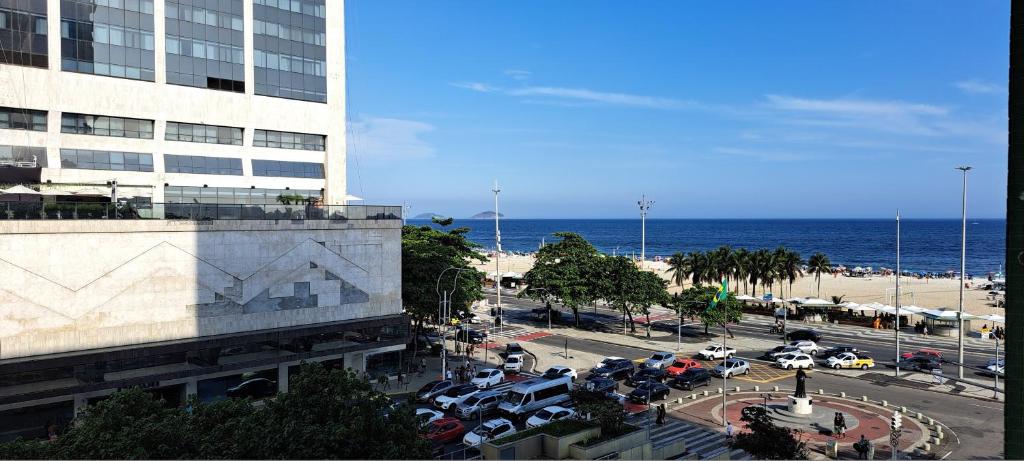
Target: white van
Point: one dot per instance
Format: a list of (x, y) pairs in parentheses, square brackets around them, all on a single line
[(535, 394)]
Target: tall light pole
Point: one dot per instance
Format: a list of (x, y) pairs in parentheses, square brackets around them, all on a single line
[(897, 293), (963, 267), (442, 315), (497, 256), (644, 206)]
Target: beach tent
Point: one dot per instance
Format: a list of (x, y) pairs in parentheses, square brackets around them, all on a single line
[(993, 318), (943, 314), (91, 191), (17, 192), (814, 302), (747, 298), (511, 275), (911, 309)]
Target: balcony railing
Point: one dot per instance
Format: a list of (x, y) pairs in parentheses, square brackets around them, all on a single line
[(193, 211)]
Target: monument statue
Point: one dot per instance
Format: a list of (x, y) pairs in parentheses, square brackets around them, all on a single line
[(801, 385)]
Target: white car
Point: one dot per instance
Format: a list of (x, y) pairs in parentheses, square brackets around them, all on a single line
[(660, 360), (489, 430), (449, 402), (426, 416), (791, 361), (805, 346), (995, 369), (549, 415), (488, 377), (732, 368), (716, 351), (513, 363), (558, 371), (606, 360)]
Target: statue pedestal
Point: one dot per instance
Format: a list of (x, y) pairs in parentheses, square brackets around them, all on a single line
[(800, 405)]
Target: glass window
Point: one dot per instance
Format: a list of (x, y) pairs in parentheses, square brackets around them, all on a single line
[(287, 169), (202, 165), (187, 194), (209, 32), (22, 156), (102, 125), (291, 40), (288, 140), (89, 26), (22, 119), (210, 134), (105, 160), (23, 33)]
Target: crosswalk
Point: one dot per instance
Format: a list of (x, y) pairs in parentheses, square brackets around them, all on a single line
[(705, 443)]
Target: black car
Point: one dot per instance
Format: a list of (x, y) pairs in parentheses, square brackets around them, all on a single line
[(431, 390), (615, 369), (647, 374), (834, 351), (920, 363), (649, 391), (470, 335), (604, 385), (804, 335), (513, 349), (256, 388), (690, 379)]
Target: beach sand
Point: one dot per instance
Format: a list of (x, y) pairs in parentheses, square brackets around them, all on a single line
[(929, 294)]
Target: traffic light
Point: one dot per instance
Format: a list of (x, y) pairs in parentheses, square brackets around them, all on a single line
[(897, 421)]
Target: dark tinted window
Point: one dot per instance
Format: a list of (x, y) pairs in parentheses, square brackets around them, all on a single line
[(108, 37), (105, 160), (202, 165), (22, 119), (22, 156), (289, 140), (289, 52), (235, 195), (287, 169), (102, 125), (23, 33), (210, 134), (204, 44)]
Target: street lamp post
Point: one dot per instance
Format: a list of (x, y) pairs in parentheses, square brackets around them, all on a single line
[(497, 256), (443, 314), (995, 373), (644, 206), (963, 267), (897, 293)]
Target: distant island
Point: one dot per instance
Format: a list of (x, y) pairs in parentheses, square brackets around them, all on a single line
[(427, 216), (486, 215)]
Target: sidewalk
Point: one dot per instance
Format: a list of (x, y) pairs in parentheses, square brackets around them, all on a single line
[(413, 381)]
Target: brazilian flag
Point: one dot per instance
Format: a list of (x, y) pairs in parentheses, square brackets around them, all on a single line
[(720, 295)]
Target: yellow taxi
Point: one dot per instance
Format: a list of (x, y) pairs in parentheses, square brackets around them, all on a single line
[(850, 360)]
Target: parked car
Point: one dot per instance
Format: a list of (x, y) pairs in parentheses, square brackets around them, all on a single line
[(533, 394), (809, 335), (455, 394), (649, 391), (489, 430), (850, 360), (445, 430), (995, 369), (618, 369), (716, 351), (513, 364), (605, 361), (681, 365), (779, 351), (256, 388), (485, 402), (646, 374), (605, 385), (919, 363), (732, 367), (836, 350), (558, 371), (791, 361), (924, 352), (469, 335), (514, 349), (488, 377), (427, 415), (691, 378), (806, 346), (431, 390), (549, 415), (660, 360)]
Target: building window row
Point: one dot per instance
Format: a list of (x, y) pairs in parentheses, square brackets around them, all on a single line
[(193, 164), (102, 125), (210, 134), (105, 160), (289, 140), (205, 43), (22, 156), (233, 195), (315, 8), (282, 169), (293, 33), (205, 50), (137, 6), (23, 33), (295, 64), (108, 37), (228, 18), (22, 119)]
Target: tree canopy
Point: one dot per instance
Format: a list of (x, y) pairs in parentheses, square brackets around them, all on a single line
[(765, 440), (564, 272)]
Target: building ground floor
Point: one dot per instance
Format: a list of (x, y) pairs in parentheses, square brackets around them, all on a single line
[(40, 393)]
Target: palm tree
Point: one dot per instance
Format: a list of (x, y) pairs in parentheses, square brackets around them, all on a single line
[(837, 300), (755, 268), (722, 258), (679, 268), (816, 265), (792, 268), (699, 263), (741, 264)]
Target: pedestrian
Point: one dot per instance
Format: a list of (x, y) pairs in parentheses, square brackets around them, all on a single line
[(862, 447), (924, 330), (842, 425), (448, 374), (728, 431), (423, 366), (383, 381)]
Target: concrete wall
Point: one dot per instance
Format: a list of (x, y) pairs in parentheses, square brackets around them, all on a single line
[(75, 285), (57, 91)]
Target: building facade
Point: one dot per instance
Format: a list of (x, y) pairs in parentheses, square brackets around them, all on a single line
[(177, 104)]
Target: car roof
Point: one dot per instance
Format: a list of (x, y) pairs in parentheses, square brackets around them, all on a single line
[(496, 422), (485, 394), (554, 408), (445, 420)]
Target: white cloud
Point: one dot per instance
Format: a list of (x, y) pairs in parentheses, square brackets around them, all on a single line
[(376, 138), (980, 87), (762, 155), (475, 86), (518, 74), (853, 107), (601, 97)]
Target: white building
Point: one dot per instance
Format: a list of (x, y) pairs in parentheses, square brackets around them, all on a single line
[(238, 103)]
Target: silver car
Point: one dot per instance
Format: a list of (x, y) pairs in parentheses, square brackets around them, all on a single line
[(660, 360), (485, 402), (732, 368)]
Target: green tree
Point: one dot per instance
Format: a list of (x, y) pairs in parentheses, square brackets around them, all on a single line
[(627, 288), (765, 440), (741, 267), (564, 272), (679, 268), (697, 300), (648, 290), (426, 253), (817, 265), (792, 268), (608, 413)]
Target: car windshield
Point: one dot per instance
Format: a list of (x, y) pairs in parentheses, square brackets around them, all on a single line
[(691, 373), (435, 428), (679, 364), (483, 374), (544, 414), (788, 357), (512, 359), (472, 400), (645, 386), (514, 397), (428, 386), (732, 363), (424, 416)]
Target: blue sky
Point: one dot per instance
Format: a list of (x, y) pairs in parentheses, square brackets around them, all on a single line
[(789, 109)]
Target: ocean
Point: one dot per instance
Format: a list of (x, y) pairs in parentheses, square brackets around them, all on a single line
[(931, 245)]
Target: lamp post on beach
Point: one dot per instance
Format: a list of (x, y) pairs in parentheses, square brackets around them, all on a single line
[(963, 267), (644, 206), (497, 256), (897, 293)]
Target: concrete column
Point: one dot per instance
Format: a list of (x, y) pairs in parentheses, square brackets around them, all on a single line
[(282, 377), (191, 388), (80, 403), (356, 361)]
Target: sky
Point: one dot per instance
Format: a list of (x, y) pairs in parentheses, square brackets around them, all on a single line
[(786, 109)]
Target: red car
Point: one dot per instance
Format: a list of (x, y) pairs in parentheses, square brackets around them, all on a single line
[(924, 352), (681, 365), (445, 430)]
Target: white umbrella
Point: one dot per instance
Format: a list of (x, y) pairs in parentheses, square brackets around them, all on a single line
[(92, 191), (849, 305), (994, 318), (20, 190), (815, 302), (512, 275), (747, 298), (912, 309)]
